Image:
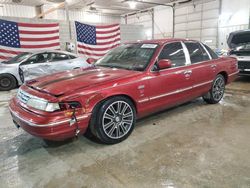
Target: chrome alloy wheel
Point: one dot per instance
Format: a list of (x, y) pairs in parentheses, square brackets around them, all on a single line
[(218, 89), (117, 119)]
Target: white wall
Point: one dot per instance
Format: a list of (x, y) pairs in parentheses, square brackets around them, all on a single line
[(17, 11), (128, 32), (81, 15), (198, 21), (201, 22), (163, 18), (235, 15), (30, 12), (144, 19)]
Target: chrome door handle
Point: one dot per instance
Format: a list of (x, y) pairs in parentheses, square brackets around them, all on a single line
[(213, 66), (187, 72)]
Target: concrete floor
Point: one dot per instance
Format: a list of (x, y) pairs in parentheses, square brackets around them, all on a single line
[(193, 145)]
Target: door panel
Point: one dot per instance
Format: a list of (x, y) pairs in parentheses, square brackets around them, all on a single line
[(202, 67), (171, 86), (36, 66)]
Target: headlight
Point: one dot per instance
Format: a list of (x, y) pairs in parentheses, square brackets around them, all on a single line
[(43, 105)]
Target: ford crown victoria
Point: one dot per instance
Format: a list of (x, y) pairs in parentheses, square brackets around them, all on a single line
[(130, 82)]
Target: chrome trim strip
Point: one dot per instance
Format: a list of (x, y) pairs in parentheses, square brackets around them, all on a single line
[(202, 84), (206, 50), (176, 91), (187, 55), (30, 123), (143, 100), (234, 73)]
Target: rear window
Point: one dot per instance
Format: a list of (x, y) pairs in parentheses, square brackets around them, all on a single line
[(196, 52), (211, 52), (59, 57)]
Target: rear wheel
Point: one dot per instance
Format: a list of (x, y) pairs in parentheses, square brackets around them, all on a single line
[(114, 120), (7, 82), (216, 93)]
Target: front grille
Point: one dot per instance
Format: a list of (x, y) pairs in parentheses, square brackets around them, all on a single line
[(244, 64), (23, 96)]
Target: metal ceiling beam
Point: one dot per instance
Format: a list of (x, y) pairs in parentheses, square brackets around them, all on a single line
[(149, 2)]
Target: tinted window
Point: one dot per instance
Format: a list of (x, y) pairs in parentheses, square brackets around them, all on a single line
[(196, 52), (212, 53), (59, 57), (175, 53), (38, 58)]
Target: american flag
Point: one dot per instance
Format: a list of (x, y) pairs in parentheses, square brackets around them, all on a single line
[(23, 37), (95, 41)]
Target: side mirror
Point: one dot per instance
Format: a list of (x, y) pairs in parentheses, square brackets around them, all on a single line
[(164, 64), (91, 60)]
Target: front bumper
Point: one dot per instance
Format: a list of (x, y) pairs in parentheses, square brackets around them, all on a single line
[(50, 128)]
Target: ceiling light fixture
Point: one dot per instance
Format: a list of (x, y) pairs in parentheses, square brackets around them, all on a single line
[(132, 4)]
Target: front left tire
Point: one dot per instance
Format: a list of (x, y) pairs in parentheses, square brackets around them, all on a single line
[(113, 120), (7, 82)]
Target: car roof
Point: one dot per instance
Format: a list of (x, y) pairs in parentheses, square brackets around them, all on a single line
[(162, 41), (52, 51)]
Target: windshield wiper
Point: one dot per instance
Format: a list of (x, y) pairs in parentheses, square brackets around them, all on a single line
[(109, 66)]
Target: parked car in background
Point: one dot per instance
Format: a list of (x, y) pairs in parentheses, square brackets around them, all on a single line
[(239, 44), (130, 82), (29, 65)]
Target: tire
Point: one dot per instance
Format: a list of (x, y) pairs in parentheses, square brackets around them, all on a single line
[(7, 82), (216, 93), (111, 125)]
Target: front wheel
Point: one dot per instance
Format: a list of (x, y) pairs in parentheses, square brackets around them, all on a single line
[(216, 93), (7, 82), (114, 120)]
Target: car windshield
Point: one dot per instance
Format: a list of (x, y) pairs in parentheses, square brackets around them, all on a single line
[(18, 58), (129, 56)]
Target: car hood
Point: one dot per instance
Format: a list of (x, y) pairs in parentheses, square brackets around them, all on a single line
[(70, 81), (238, 38)]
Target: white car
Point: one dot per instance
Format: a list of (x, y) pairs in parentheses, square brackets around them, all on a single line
[(30, 65)]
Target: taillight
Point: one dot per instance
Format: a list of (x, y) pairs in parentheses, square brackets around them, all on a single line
[(69, 105)]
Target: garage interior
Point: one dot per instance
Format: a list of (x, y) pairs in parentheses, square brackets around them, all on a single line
[(191, 145)]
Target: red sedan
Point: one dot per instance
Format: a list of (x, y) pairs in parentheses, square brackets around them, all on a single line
[(130, 82)]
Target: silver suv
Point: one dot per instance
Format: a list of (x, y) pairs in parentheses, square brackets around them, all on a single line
[(29, 65), (239, 43)]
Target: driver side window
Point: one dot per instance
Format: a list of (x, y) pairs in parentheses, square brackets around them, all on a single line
[(175, 53), (38, 58)]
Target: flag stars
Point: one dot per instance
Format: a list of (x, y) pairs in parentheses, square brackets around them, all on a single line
[(9, 34)]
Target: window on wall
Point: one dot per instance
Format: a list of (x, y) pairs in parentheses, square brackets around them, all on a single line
[(196, 52), (175, 53)]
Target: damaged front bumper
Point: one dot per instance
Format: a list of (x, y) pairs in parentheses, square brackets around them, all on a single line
[(51, 128)]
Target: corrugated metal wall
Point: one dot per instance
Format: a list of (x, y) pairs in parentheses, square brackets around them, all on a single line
[(30, 12), (198, 21), (235, 15), (80, 15), (144, 19), (67, 30), (17, 11), (163, 18)]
